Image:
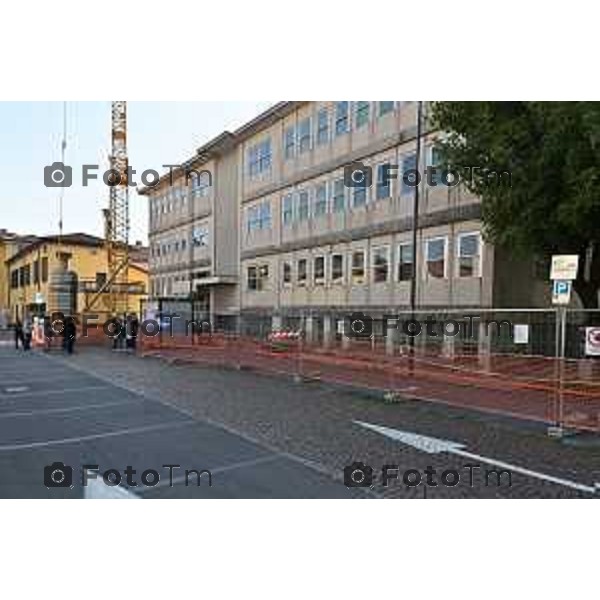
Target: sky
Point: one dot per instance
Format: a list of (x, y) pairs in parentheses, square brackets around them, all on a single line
[(158, 133)]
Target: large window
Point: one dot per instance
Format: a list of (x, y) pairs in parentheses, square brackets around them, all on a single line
[(289, 142), (358, 267), (320, 199), (337, 268), (409, 164), (199, 236), (359, 195), (362, 113), (259, 158), (405, 262), (338, 203), (435, 160), (435, 254), (259, 217), (341, 117), (201, 183), (469, 255), (303, 206), (322, 126), (319, 270), (304, 138), (44, 269), (258, 277), (287, 273), (302, 271), (287, 209), (386, 107), (381, 264), (384, 187)]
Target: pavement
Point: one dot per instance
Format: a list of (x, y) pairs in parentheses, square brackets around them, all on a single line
[(259, 436)]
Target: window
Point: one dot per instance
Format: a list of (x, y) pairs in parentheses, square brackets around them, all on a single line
[(201, 183), (321, 199), (322, 126), (436, 257), (319, 270), (381, 264), (469, 255), (252, 278), (302, 271), (358, 266), (14, 278), (199, 237), (337, 268), (405, 262), (339, 198), (359, 195), (257, 277), (341, 117), (303, 206), (435, 160), (287, 273), (100, 280), (409, 164), (289, 142), (384, 187), (36, 271), (362, 113), (386, 107), (304, 141), (287, 209), (258, 217), (259, 158), (183, 244)]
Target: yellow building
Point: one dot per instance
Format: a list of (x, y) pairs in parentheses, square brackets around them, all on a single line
[(27, 274)]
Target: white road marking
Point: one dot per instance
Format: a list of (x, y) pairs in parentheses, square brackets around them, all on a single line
[(85, 388), (95, 436), (17, 389), (68, 409), (433, 445)]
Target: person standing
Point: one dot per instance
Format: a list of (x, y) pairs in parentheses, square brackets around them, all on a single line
[(26, 335), (18, 333), (70, 334), (132, 332)]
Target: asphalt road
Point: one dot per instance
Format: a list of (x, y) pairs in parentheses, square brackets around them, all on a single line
[(259, 436)]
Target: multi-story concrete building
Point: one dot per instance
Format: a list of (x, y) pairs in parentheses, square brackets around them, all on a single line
[(311, 248), (193, 233)]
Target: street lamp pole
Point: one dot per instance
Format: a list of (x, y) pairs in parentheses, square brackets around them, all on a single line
[(415, 228)]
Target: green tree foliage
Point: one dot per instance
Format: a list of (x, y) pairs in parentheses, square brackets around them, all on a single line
[(552, 150)]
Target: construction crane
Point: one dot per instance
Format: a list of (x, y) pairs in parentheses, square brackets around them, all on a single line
[(116, 219)]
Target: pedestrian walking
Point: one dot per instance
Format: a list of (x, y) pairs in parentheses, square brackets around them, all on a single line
[(18, 333), (70, 334), (132, 332), (26, 335)]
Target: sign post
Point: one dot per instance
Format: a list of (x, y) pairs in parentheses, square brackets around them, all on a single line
[(563, 271)]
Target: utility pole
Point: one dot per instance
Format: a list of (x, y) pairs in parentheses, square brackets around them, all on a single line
[(415, 229)]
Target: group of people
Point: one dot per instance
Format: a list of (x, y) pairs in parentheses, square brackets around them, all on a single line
[(23, 334), (124, 332)]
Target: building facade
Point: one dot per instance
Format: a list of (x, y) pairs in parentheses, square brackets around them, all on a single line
[(28, 274), (312, 246)]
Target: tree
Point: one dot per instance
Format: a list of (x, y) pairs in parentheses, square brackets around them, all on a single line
[(552, 151)]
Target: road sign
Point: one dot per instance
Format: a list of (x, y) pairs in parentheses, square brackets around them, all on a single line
[(592, 341), (561, 292), (564, 266)]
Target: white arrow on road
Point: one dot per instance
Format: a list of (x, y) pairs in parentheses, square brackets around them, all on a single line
[(433, 445)]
